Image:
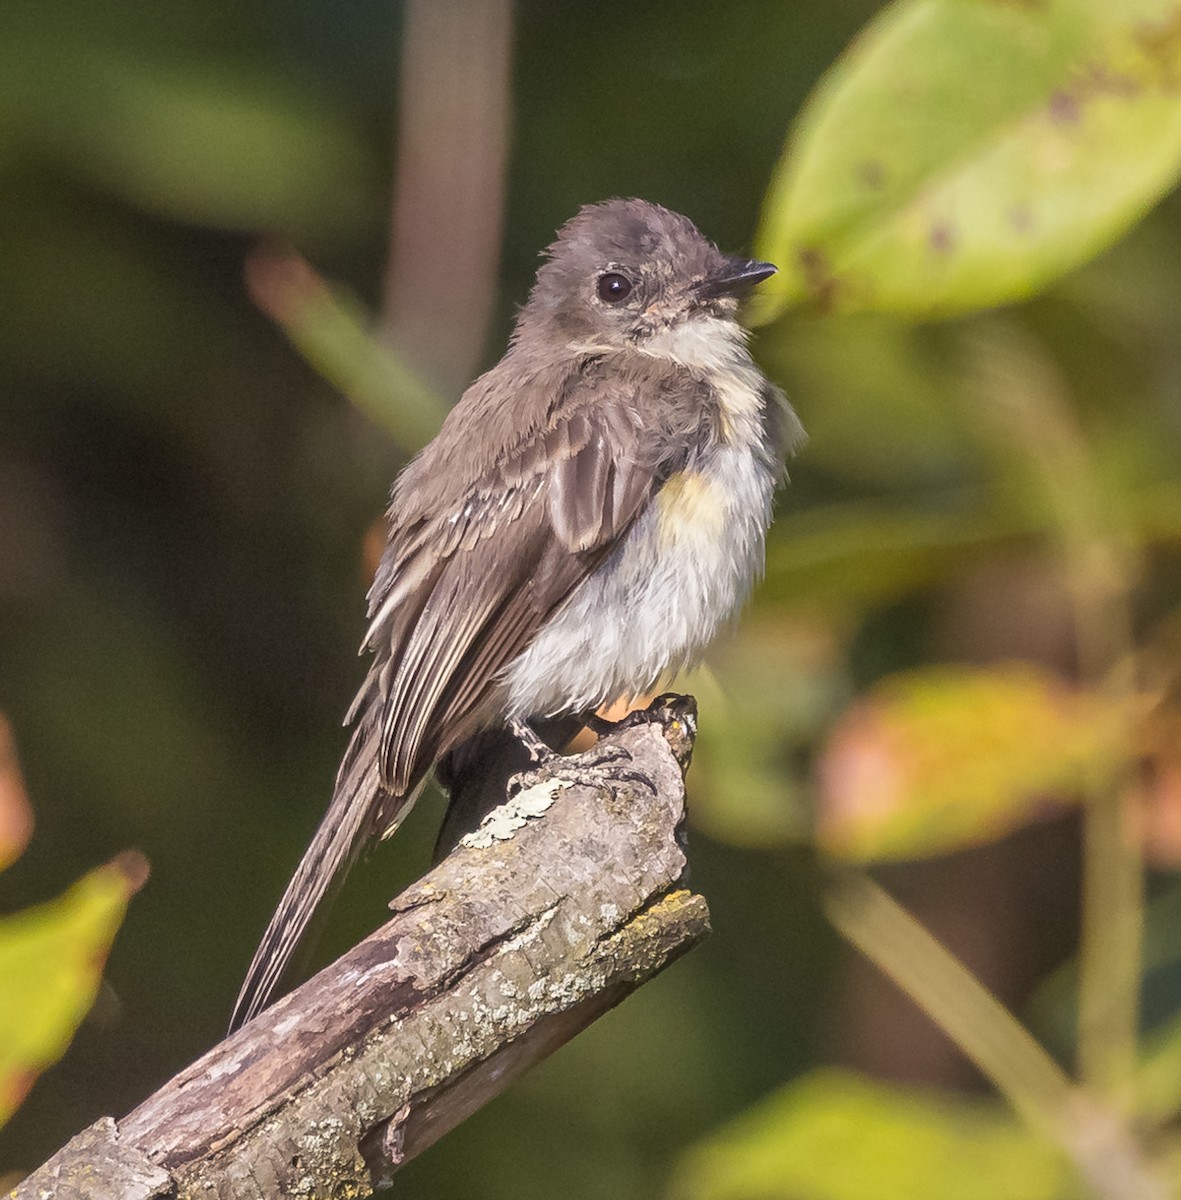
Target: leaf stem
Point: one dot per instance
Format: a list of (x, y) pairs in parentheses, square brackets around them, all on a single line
[(1030, 407), (956, 1001), (1096, 1138), (1113, 874)]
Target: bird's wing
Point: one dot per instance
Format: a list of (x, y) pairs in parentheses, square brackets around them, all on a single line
[(459, 595), (525, 537)]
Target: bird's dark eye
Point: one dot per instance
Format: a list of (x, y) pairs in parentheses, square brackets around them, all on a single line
[(614, 288)]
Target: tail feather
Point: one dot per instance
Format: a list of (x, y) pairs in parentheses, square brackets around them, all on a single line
[(361, 809)]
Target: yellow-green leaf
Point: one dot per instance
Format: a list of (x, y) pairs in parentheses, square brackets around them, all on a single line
[(51, 961), (963, 153), (942, 758), (833, 1135), (1158, 1090)]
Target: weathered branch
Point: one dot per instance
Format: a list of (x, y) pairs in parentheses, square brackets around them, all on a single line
[(566, 899)]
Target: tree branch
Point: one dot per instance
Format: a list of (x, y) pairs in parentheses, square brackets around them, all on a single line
[(563, 902)]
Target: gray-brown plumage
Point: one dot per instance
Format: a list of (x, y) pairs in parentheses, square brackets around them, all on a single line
[(592, 509)]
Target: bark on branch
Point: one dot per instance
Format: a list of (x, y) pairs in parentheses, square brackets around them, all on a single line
[(569, 897)]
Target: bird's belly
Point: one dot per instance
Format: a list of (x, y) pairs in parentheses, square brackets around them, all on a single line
[(658, 598)]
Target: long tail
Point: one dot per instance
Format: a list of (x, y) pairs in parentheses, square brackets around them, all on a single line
[(361, 810)]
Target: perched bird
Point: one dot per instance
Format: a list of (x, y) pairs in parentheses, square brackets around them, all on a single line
[(591, 511)]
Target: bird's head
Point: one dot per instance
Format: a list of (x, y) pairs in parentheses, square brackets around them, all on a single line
[(624, 273)]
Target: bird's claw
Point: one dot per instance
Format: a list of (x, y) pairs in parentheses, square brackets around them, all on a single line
[(598, 767)]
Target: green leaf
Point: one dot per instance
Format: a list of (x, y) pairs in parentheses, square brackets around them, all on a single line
[(941, 758), (833, 1135), (1158, 1076), (964, 153), (51, 960)]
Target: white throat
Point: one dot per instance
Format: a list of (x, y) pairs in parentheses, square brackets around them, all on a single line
[(701, 343)]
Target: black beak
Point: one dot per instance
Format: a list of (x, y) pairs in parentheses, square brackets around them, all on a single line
[(735, 277)]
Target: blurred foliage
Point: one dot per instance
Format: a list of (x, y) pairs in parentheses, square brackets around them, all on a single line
[(906, 189), (214, 139), (184, 505), (51, 962), (931, 761), (832, 1135), (51, 956)]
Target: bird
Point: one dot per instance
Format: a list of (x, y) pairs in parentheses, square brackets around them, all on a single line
[(593, 509)]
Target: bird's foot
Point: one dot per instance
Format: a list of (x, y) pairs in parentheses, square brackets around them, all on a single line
[(598, 767), (539, 750), (602, 775), (674, 713), (666, 706)]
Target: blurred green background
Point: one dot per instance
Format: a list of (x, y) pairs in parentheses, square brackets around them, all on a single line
[(185, 498)]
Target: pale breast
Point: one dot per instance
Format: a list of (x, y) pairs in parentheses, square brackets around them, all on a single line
[(681, 571)]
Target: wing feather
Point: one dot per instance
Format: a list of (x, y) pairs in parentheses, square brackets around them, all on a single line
[(441, 639)]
